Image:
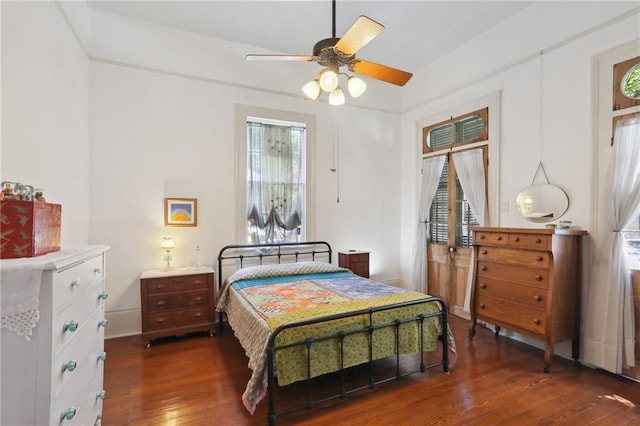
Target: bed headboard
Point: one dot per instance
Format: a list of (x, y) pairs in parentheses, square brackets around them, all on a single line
[(245, 255)]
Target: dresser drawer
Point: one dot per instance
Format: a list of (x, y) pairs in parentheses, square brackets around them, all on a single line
[(514, 273), (529, 258), (490, 238), (501, 312), (529, 241), (86, 402), (532, 297), (178, 283), (178, 318), (84, 351), (72, 283), (185, 299)]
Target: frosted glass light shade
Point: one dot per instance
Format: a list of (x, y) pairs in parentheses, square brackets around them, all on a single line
[(336, 97), (167, 243), (356, 86), (328, 81), (311, 90)]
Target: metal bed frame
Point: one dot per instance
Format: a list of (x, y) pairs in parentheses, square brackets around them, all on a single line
[(276, 252)]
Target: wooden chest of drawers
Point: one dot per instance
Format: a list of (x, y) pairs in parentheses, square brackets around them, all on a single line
[(528, 281), (56, 378), (356, 261), (176, 302)]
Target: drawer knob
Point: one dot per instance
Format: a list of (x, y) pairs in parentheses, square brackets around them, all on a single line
[(103, 295), (538, 240), (68, 414), (481, 237), (536, 321), (482, 306), (101, 395), (483, 268), (70, 326), (97, 271), (538, 277), (102, 356), (539, 258), (483, 285), (483, 251), (103, 322), (499, 238), (537, 298), (75, 283), (516, 239), (69, 366)]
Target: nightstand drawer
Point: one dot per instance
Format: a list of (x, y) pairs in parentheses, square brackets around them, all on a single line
[(177, 283), (177, 318), (168, 301)]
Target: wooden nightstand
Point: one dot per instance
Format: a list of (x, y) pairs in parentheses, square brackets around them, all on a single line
[(355, 260), (176, 302)]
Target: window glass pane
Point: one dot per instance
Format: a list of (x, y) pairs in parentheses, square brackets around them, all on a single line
[(465, 130), (439, 214), (465, 218), (631, 83)]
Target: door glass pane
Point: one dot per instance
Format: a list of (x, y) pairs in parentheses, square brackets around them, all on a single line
[(439, 214)]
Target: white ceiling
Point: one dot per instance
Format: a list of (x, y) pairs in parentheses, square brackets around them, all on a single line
[(416, 32)]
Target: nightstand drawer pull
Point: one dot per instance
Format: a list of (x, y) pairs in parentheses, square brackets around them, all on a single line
[(483, 268), (499, 238), (103, 296), (537, 298), (68, 414), (539, 258), (102, 356), (101, 395), (516, 239), (69, 366), (538, 277), (70, 326), (538, 240), (536, 321), (483, 285), (103, 322), (482, 305), (483, 251)]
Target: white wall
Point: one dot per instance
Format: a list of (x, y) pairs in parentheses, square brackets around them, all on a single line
[(162, 125), (45, 114), (546, 104)]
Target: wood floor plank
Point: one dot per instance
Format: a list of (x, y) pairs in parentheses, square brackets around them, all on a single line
[(198, 380)]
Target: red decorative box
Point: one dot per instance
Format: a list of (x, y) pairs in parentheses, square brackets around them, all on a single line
[(29, 228)]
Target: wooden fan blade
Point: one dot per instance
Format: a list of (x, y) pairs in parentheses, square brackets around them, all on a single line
[(252, 57), (380, 72), (361, 32)]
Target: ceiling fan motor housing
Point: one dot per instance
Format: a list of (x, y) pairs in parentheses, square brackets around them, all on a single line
[(327, 55)]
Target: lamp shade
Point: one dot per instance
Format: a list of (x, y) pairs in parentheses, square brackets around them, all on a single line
[(356, 86), (167, 243), (336, 97), (328, 80), (311, 89)]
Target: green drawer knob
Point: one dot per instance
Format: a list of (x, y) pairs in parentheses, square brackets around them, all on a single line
[(70, 326), (103, 296), (101, 395), (69, 366), (102, 356), (103, 322), (68, 414)]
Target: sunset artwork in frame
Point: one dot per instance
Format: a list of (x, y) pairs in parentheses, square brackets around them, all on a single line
[(180, 212)]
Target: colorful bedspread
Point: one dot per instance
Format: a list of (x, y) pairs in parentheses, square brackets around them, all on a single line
[(257, 300)]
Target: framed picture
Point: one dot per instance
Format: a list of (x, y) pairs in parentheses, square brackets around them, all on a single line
[(180, 212)]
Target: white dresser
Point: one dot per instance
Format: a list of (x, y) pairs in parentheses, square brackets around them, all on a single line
[(56, 377)]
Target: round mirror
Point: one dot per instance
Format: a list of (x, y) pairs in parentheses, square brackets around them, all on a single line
[(542, 203)]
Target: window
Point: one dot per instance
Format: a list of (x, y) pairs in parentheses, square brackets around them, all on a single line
[(272, 191), (451, 216), (626, 83)]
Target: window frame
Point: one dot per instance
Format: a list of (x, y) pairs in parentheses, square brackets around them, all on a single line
[(243, 113)]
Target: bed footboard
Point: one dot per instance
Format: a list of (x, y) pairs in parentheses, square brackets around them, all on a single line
[(341, 338)]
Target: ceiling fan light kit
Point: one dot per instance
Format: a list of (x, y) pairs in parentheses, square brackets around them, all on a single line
[(333, 53)]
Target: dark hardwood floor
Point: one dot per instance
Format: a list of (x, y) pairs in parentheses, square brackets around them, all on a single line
[(198, 380)]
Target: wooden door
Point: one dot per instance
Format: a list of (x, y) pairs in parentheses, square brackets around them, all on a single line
[(448, 272)]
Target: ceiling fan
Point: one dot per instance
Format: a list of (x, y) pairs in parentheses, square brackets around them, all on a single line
[(333, 53)]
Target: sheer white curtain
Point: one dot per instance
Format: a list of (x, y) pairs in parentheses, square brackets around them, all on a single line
[(274, 189), (624, 184), (470, 168), (431, 171)]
